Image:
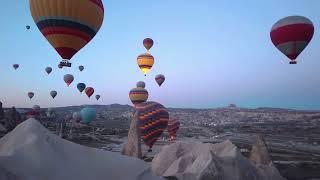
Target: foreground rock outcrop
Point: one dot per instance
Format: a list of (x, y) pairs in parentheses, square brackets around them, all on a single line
[(199, 161), (31, 152)]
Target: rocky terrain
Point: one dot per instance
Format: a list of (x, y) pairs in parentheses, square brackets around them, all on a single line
[(292, 137)]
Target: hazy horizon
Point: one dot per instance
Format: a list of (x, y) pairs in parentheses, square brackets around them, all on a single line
[(212, 53)]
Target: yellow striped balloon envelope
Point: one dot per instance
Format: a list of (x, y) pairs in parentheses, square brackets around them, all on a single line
[(152, 120), (145, 62), (138, 95), (68, 25)]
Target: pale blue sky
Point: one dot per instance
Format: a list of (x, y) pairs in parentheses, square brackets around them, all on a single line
[(212, 53)]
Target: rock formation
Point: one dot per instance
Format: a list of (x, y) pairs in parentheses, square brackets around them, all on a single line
[(259, 153), (133, 146), (199, 161), (31, 152)]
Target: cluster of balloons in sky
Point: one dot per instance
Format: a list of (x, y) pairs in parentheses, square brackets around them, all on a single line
[(68, 30)]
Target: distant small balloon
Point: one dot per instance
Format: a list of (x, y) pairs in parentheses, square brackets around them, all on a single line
[(68, 79), (28, 27), (148, 43), (98, 97), (160, 79), (81, 68), (81, 87), (48, 70), (30, 95), (89, 91), (15, 66), (53, 94), (141, 84), (60, 66)]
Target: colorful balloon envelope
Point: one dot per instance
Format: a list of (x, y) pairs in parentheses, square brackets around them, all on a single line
[(88, 114), (48, 70), (291, 35), (152, 121), (160, 79), (15, 66), (141, 84), (81, 87), (145, 62), (173, 126), (138, 95), (89, 91), (68, 79), (98, 97), (68, 25), (30, 95), (148, 43), (81, 68), (53, 94)]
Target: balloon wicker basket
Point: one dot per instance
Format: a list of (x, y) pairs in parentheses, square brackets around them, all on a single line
[(293, 62), (65, 63)]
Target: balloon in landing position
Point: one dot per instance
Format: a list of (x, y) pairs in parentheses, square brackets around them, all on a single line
[(152, 121)]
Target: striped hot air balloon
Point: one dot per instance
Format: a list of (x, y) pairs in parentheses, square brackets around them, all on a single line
[(152, 121), (291, 35), (145, 62), (160, 79), (173, 126), (138, 95), (68, 25)]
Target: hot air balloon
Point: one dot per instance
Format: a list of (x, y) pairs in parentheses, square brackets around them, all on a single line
[(76, 116), (53, 94), (81, 86), (148, 43), (98, 97), (160, 79), (48, 70), (138, 95), (145, 62), (88, 114), (30, 95), (81, 68), (89, 91), (68, 79), (152, 121), (173, 126), (15, 66), (141, 84), (36, 108), (291, 35), (68, 25), (28, 27)]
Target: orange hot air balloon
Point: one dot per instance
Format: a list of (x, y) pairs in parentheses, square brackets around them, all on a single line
[(138, 95), (145, 62), (68, 25)]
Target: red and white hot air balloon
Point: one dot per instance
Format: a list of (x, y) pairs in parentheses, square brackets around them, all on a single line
[(291, 35)]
